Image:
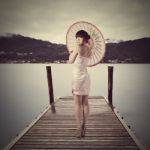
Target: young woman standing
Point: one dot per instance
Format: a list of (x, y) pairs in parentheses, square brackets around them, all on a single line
[(81, 79)]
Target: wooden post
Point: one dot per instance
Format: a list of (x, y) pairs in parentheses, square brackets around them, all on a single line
[(110, 85), (50, 87)]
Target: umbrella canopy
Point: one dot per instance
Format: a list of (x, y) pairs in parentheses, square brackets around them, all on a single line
[(97, 39)]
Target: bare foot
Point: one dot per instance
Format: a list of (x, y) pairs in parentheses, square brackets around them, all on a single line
[(83, 130), (79, 132)]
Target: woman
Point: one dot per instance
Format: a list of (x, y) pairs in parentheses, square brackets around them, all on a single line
[(81, 79)]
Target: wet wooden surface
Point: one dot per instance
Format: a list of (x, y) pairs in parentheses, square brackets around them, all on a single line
[(57, 131)]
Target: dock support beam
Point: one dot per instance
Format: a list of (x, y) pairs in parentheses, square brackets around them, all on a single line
[(50, 87), (110, 85)]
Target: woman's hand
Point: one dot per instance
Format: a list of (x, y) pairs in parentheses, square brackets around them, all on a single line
[(90, 43)]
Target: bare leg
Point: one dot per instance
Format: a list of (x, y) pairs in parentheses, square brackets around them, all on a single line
[(78, 110), (86, 109), (78, 114), (85, 113)]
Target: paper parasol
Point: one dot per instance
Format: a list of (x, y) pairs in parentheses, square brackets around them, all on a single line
[(98, 49)]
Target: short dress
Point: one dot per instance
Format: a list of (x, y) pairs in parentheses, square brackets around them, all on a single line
[(81, 79)]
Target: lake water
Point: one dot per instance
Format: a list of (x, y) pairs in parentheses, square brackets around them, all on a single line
[(24, 94)]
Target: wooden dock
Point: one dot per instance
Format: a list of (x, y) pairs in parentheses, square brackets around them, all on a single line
[(105, 130)]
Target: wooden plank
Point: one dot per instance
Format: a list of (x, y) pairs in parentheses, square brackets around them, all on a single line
[(57, 131), (139, 144)]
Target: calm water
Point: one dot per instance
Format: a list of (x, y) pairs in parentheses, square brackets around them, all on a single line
[(24, 94)]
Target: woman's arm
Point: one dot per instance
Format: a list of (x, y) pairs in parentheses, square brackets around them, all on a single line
[(72, 57)]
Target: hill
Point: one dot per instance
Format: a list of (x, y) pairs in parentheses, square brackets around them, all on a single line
[(20, 49)]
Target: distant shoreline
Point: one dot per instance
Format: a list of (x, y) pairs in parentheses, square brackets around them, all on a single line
[(20, 49)]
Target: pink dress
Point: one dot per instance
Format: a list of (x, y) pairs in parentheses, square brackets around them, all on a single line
[(81, 78)]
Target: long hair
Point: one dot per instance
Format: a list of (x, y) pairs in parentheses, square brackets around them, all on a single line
[(83, 34)]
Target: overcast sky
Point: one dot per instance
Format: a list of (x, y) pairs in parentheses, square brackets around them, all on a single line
[(50, 19)]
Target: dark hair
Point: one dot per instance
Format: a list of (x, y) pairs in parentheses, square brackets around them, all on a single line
[(83, 34)]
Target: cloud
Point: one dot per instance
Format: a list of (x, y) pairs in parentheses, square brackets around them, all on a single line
[(50, 19)]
